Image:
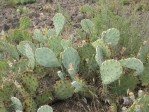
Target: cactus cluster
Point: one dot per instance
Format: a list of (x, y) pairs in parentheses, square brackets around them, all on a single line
[(73, 64)]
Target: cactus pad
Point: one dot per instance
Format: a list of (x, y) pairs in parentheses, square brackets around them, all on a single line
[(143, 52), (70, 57), (110, 70), (54, 45), (133, 63), (105, 48), (17, 103), (99, 56), (111, 36), (58, 21), (87, 25), (46, 57), (63, 89), (39, 36), (30, 82)]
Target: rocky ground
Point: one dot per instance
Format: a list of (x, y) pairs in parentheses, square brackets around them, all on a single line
[(40, 13)]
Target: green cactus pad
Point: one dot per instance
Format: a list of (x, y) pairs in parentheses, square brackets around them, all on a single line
[(87, 25), (30, 55), (143, 52), (105, 49), (63, 89), (133, 63), (39, 36), (58, 21), (70, 57), (54, 45), (46, 57), (51, 33), (45, 108), (111, 36), (27, 49), (65, 43), (99, 56), (30, 104), (17, 103), (30, 82), (110, 70), (44, 97)]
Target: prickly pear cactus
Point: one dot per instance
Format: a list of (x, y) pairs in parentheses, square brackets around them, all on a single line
[(28, 102), (88, 26), (45, 108), (99, 56), (17, 104), (54, 45), (111, 36), (21, 47), (27, 49), (110, 71), (143, 52), (133, 63), (44, 97), (58, 21), (105, 48), (63, 89), (65, 43), (70, 59), (30, 82), (46, 57), (51, 33), (38, 35)]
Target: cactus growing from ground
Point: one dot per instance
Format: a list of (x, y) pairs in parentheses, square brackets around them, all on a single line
[(63, 89)]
